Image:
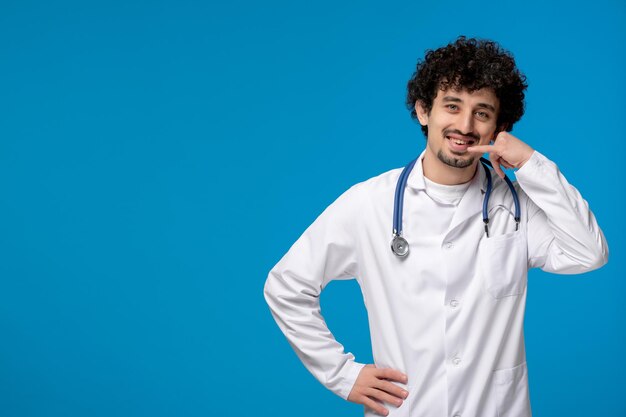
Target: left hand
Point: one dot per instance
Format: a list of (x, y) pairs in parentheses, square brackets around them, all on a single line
[(507, 150)]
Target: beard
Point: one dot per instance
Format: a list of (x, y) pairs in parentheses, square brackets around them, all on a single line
[(455, 162), (458, 162)]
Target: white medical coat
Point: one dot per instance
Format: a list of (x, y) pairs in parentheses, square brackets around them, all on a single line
[(451, 314)]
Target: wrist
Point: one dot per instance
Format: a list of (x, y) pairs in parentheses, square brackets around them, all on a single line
[(529, 155)]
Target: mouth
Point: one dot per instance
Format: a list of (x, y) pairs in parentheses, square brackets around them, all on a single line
[(458, 143)]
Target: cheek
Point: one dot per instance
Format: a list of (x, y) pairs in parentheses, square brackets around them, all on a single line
[(488, 133), (438, 123)]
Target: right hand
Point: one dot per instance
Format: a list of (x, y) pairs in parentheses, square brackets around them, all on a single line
[(373, 384)]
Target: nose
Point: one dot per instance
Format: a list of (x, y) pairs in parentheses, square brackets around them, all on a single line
[(466, 122)]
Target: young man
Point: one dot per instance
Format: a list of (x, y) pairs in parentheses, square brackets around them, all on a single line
[(446, 319)]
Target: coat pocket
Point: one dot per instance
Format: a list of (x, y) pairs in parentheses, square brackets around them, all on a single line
[(504, 264), (511, 391)]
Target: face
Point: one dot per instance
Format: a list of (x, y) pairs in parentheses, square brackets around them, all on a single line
[(459, 119)]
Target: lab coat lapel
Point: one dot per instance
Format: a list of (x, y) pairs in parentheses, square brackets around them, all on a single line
[(472, 201), (416, 176)]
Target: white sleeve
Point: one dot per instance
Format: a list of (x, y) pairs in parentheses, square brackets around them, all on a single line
[(563, 235), (325, 251)]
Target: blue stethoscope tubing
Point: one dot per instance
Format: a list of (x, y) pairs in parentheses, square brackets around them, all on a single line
[(399, 245)]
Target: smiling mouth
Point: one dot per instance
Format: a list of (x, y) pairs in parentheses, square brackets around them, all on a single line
[(461, 141)]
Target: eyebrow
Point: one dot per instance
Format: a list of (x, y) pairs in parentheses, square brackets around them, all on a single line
[(458, 100)]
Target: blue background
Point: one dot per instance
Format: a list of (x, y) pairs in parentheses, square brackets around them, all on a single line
[(158, 158)]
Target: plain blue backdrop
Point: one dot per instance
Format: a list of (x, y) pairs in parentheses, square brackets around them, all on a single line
[(158, 158)]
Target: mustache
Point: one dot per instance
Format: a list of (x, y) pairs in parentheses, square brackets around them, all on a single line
[(474, 136)]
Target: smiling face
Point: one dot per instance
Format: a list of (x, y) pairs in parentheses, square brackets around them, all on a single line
[(457, 120)]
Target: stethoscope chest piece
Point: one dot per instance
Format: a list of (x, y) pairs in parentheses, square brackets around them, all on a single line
[(399, 246)]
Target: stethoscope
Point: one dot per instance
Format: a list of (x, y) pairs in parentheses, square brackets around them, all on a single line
[(400, 246)]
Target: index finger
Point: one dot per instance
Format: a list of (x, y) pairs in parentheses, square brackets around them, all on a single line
[(481, 148), (391, 374)]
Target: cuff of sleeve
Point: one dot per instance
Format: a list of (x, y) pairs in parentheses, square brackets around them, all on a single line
[(351, 373), (533, 166)]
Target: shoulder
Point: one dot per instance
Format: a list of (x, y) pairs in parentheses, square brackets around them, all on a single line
[(381, 182), (371, 190)]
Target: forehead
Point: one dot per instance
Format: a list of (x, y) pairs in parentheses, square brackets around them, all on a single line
[(482, 96)]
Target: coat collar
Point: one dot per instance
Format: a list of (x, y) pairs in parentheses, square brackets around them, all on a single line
[(472, 200)]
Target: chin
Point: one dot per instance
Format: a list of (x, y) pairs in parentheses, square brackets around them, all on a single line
[(460, 161)]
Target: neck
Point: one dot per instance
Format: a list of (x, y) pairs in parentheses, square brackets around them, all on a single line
[(441, 173)]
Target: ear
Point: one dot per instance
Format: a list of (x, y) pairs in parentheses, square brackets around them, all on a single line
[(422, 114)]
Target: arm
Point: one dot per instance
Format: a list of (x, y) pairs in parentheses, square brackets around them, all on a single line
[(325, 251), (563, 235)]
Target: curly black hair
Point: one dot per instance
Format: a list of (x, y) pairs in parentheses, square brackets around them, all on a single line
[(469, 64)]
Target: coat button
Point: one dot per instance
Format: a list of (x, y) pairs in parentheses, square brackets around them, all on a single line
[(448, 245), (454, 303), (456, 360)]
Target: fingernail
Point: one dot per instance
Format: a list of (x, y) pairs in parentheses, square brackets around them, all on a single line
[(405, 393)]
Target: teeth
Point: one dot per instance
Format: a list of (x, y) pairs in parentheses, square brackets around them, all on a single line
[(459, 141)]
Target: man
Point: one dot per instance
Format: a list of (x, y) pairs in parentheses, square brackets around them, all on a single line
[(446, 320)]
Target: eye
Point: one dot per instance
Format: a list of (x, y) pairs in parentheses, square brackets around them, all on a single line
[(452, 107), (482, 114)]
